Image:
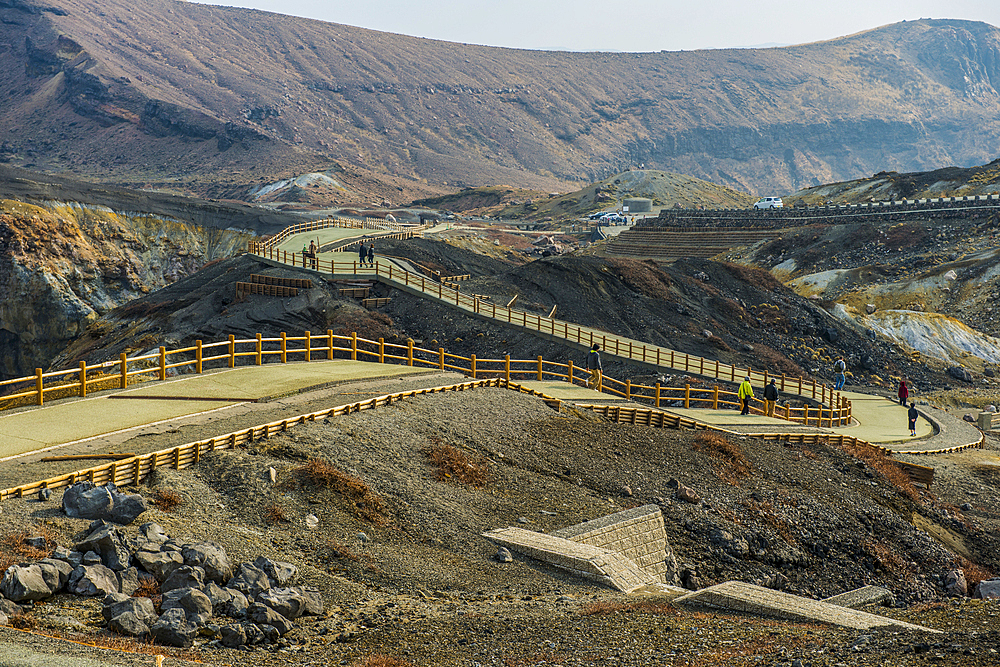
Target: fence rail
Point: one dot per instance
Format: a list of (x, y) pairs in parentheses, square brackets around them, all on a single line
[(134, 469), (662, 358), (312, 225)]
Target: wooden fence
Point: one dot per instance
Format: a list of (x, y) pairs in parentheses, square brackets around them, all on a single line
[(133, 470), (256, 247), (310, 347), (611, 344)]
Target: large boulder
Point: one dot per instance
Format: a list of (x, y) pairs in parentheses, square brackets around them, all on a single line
[(107, 541), (249, 580), (141, 608), (237, 605), (24, 582), (160, 564), (279, 573), (128, 623), (264, 615), (212, 558), (153, 532), (128, 580), (85, 500), (289, 602), (196, 605), (960, 373), (174, 629), (55, 572), (184, 577), (92, 580)]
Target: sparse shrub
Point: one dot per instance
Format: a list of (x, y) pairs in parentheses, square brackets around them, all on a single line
[(974, 573), (605, 607), (719, 344), (759, 278), (148, 588), (364, 501), (885, 557), (878, 461), (275, 514), (167, 499), (23, 622), (733, 464), (454, 465), (380, 660), (14, 550)]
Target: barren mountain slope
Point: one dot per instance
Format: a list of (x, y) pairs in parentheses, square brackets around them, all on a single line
[(218, 99)]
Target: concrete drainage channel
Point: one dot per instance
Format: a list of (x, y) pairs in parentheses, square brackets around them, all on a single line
[(629, 551)]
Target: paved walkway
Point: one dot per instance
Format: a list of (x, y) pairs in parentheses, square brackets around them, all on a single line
[(878, 420), (100, 415)]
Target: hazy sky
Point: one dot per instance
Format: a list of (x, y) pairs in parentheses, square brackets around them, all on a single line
[(629, 25)]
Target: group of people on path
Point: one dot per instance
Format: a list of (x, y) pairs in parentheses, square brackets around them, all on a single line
[(367, 253)]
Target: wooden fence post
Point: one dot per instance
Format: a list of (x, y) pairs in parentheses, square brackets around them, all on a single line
[(83, 379), (657, 394), (354, 346), (197, 356), (628, 390), (381, 350), (163, 363), (308, 346), (260, 350), (39, 385), (715, 398), (441, 357), (570, 373), (123, 364), (473, 367), (232, 351), (409, 351), (687, 395), (506, 367), (806, 419), (539, 377), (284, 348), (329, 347)]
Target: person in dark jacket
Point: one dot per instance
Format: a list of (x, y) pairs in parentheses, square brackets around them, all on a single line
[(771, 397), (912, 414), (362, 254), (903, 393), (596, 380), (371, 255)]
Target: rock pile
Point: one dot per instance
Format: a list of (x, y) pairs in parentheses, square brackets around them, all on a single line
[(197, 581)]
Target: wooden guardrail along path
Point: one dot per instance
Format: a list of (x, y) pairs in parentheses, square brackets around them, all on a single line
[(611, 344), (132, 471), (302, 283), (376, 302), (265, 290)]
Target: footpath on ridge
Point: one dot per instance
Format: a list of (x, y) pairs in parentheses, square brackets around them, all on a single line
[(875, 419)]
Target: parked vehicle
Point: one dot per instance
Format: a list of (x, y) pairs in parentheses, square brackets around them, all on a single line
[(614, 219), (768, 202)]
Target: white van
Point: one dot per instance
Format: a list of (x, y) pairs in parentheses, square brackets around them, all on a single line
[(768, 202)]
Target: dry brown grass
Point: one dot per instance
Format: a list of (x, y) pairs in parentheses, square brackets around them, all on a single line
[(878, 461), (644, 277), (764, 511), (23, 622), (381, 660), (275, 514), (752, 276), (14, 550), (719, 344), (731, 464), (606, 607), (455, 465), (364, 502), (148, 588), (886, 558), (167, 499), (974, 573)]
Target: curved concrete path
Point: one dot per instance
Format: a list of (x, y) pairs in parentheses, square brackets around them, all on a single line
[(75, 420)]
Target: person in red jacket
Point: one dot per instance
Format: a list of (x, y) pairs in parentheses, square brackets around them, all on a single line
[(903, 393)]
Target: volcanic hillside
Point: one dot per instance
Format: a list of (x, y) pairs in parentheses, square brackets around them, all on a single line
[(222, 101)]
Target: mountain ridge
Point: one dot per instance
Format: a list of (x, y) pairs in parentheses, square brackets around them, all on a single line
[(218, 101)]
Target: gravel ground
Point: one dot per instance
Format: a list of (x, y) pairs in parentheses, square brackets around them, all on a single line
[(419, 583)]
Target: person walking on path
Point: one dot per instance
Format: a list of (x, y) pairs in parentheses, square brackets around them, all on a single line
[(840, 367), (312, 253), (912, 414), (902, 393), (362, 254), (596, 380), (745, 394), (371, 255), (771, 396)]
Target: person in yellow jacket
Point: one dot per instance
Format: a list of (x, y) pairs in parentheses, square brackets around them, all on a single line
[(746, 393)]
